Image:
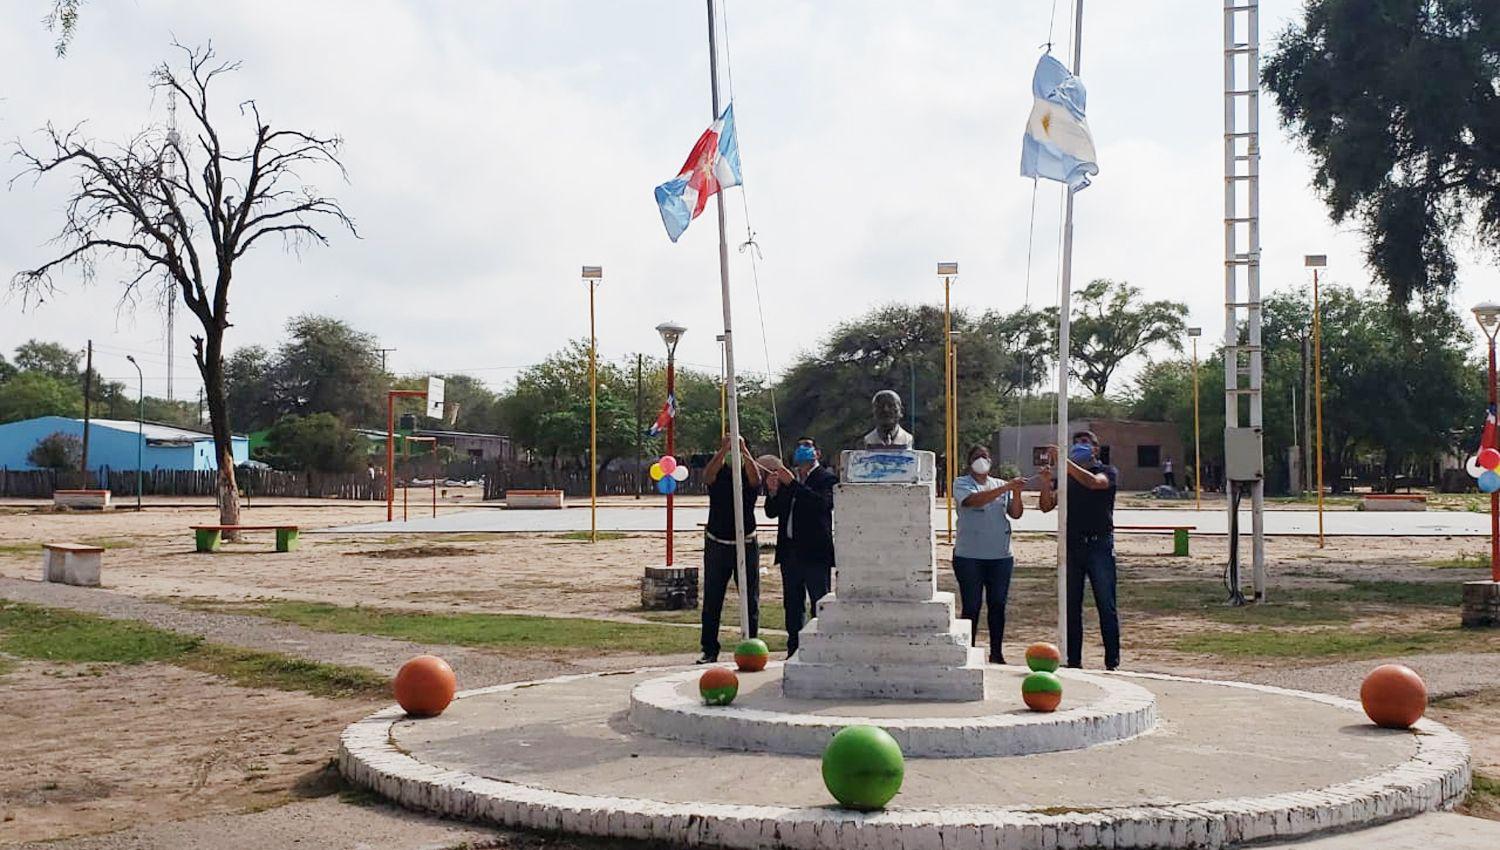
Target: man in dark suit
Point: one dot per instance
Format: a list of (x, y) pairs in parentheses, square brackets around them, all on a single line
[(801, 502)]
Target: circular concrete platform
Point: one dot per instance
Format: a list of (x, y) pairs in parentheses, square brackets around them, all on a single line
[(1228, 763), (1096, 710)]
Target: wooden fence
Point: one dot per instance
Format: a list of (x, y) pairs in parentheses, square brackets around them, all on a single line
[(39, 484), (575, 482)]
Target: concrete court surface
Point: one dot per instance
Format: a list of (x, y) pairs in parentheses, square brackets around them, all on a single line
[(650, 517)]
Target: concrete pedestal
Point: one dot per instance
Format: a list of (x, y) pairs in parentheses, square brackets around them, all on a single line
[(886, 633), (1481, 604), (669, 588)]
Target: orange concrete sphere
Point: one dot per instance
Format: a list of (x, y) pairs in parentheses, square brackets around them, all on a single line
[(425, 685), (1394, 696)]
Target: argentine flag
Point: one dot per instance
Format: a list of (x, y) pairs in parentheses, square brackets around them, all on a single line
[(713, 165), (1057, 144)]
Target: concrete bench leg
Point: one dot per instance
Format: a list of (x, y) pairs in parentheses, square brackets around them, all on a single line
[(208, 539), (82, 568), (53, 568), (286, 539), (1180, 542)]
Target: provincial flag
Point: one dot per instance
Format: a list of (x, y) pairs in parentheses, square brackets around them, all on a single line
[(663, 419), (713, 165), (1058, 144)]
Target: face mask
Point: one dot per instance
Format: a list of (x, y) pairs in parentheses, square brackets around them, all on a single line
[(805, 454), (1081, 453), (981, 466)]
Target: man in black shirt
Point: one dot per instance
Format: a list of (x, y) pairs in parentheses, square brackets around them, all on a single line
[(719, 549), (1091, 542), (802, 505)]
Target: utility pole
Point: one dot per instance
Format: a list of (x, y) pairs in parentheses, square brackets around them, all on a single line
[(88, 392), (383, 352), (639, 432)]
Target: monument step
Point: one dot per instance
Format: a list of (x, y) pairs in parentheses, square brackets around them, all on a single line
[(886, 616), (882, 650), (807, 680)]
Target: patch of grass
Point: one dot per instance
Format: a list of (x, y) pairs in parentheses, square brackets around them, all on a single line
[(1323, 643), (1485, 791), (584, 535), (1464, 561), (1341, 602), (48, 634), (415, 552), (771, 616), (503, 631)]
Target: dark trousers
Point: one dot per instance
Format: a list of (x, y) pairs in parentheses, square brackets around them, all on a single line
[(718, 570), (979, 578), (803, 583), (1170, 479), (1093, 557)]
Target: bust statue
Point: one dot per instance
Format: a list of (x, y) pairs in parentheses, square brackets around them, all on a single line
[(888, 433)]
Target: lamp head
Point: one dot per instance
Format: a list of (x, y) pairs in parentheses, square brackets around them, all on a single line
[(1487, 313), (593, 272), (947, 270), (670, 332), (1195, 332)]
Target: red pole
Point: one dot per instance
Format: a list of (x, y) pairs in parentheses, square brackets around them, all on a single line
[(390, 456), (1494, 497), (671, 444)]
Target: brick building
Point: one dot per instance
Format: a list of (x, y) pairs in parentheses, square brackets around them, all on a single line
[(1137, 449)]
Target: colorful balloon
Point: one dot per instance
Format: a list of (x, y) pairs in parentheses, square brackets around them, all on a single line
[(668, 463), (667, 486), (657, 473), (680, 473), (1489, 458), (1489, 482), (1472, 467)]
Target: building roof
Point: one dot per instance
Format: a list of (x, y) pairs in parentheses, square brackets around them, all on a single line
[(429, 432), (152, 431)]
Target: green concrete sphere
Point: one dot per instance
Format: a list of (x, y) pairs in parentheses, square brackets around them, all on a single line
[(863, 767), (751, 655), (1043, 657)]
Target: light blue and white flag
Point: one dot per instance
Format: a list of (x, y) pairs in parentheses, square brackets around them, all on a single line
[(1057, 144)]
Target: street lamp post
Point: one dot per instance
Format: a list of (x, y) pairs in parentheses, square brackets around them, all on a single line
[(1488, 315), (1194, 333), (1315, 262), (671, 333), (592, 276), (140, 418), (948, 271)]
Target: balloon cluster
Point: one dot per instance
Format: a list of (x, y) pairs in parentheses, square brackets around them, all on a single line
[(668, 473), (1485, 466)]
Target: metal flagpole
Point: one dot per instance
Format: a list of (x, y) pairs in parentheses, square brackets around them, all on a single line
[(730, 390), (1064, 320)]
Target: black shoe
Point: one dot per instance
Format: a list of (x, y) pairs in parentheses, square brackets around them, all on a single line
[(997, 659), (707, 659), (1075, 666), (1111, 667)]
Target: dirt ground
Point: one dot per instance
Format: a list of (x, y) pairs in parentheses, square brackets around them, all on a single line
[(155, 743)]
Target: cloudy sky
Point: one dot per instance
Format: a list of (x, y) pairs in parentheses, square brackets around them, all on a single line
[(493, 148)]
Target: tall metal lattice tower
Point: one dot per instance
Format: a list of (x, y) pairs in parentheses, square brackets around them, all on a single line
[(1243, 466), (169, 163)]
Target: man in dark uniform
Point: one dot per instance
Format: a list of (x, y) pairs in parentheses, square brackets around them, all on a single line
[(802, 505), (719, 549), (1091, 542)]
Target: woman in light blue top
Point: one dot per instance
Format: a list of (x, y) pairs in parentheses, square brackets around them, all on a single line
[(982, 561)]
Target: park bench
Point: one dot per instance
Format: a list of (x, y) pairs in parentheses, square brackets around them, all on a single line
[(546, 499), (97, 500), (72, 563), (1393, 502), (1179, 535), (210, 536)]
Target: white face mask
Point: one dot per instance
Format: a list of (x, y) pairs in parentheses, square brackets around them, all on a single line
[(981, 466)]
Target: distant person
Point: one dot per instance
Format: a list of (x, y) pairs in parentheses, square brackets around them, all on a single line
[(719, 545), (1169, 476), (982, 561), (1091, 542), (801, 502)]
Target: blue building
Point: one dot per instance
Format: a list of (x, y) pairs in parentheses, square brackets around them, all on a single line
[(113, 444)]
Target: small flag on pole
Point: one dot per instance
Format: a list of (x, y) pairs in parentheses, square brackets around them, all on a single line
[(668, 413), (1058, 144), (713, 165)]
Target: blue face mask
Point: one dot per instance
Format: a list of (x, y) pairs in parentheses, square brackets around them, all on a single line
[(1081, 453), (805, 454)]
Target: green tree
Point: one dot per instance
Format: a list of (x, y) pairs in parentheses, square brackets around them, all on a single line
[(32, 394), (472, 405), (1111, 324), (548, 409), (50, 359), (57, 451), (318, 443), (326, 366), (248, 388), (827, 394), (7, 371), (1396, 100)]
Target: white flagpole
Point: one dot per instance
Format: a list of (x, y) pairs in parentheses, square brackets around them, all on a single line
[(1064, 321), (730, 391)]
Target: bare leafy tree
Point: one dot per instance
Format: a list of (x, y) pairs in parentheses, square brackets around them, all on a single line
[(182, 210), (63, 21)]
